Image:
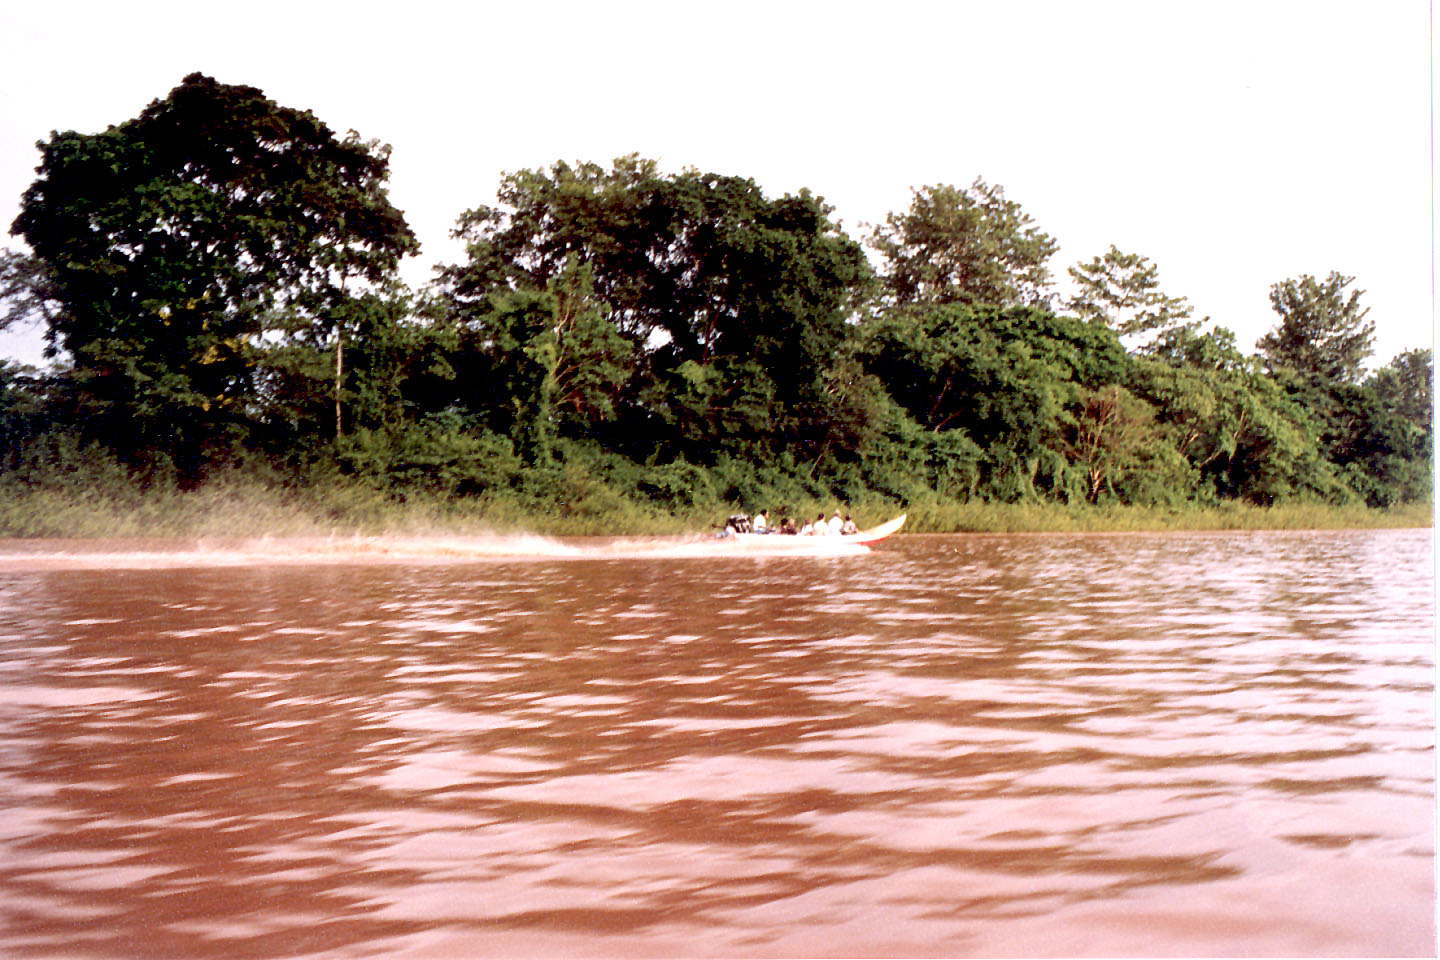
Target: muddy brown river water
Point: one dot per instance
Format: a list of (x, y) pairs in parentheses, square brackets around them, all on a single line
[(1159, 745)]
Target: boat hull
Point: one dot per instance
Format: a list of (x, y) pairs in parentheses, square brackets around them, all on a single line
[(863, 538)]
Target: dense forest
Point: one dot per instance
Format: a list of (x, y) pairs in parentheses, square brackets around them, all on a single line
[(218, 277)]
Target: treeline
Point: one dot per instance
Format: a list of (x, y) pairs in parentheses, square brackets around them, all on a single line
[(219, 275)]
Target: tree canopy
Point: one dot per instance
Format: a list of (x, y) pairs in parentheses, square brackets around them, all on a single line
[(1322, 330), (220, 272), (734, 303), (964, 246), (178, 246), (1122, 290)]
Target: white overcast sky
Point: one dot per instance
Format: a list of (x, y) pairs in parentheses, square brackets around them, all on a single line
[(1233, 143)]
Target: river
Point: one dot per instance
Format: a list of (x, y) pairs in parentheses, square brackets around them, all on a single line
[(1037, 745)]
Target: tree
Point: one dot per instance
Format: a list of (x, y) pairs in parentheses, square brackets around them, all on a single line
[(1185, 346), (964, 246), (1380, 432), (180, 246), (536, 359), (727, 296), (1322, 331), (1122, 290), (26, 290), (1112, 438), (1406, 386), (306, 387), (1002, 379)]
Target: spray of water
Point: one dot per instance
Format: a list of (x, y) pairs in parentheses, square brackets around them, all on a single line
[(163, 554)]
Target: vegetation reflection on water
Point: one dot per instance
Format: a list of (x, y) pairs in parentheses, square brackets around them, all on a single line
[(1205, 744)]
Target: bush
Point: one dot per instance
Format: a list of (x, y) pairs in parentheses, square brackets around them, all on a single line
[(441, 455)]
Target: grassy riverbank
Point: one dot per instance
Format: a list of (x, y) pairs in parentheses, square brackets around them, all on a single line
[(1042, 517), (241, 506)]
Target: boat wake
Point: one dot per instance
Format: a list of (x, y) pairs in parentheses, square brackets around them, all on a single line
[(30, 555)]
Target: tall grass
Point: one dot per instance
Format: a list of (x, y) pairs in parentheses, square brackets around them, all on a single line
[(85, 493), (952, 517), (241, 506)]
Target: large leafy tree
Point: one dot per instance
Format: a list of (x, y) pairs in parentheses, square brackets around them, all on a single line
[(1003, 379), (177, 247), (1322, 331), (1406, 430), (366, 377), (1243, 432), (1406, 386), (1379, 433), (1118, 450), (531, 361), (964, 246), (734, 303), (1122, 290)]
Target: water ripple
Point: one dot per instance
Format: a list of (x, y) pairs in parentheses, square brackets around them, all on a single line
[(1182, 744)]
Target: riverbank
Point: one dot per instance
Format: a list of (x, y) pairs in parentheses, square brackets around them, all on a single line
[(1084, 518), (244, 507)]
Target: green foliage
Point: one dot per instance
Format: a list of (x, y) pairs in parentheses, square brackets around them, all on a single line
[(678, 486), (1406, 387), (1122, 290), (23, 401), (1113, 439), (175, 249), (1247, 434), (964, 246), (1376, 437), (732, 304), (1002, 379), (537, 360), (705, 260), (909, 462), (1384, 456), (442, 455), (628, 350), (26, 290), (1277, 456), (1322, 332), (1186, 346), (361, 379)]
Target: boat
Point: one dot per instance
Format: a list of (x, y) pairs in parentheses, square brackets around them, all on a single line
[(874, 534), (863, 538)]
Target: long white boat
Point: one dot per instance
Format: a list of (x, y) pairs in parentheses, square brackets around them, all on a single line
[(876, 534), (863, 538)]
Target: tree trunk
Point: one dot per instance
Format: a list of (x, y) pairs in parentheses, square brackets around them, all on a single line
[(339, 376)]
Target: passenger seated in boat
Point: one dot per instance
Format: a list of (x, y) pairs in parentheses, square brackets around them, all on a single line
[(833, 527), (848, 527), (761, 523), (819, 527), (739, 523), (787, 526)]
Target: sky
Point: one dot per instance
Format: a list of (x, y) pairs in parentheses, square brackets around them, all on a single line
[(1235, 144)]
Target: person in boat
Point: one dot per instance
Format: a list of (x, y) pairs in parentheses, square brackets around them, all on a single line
[(820, 528), (787, 526), (848, 528), (739, 523), (761, 523), (836, 522)]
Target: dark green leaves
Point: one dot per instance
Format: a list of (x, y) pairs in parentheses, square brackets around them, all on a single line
[(1322, 332), (964, 246), (220, 270), (179, 245), (733, 304), (1122, 290)]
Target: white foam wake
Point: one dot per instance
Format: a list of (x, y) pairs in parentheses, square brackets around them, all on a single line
[(165, 554)]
